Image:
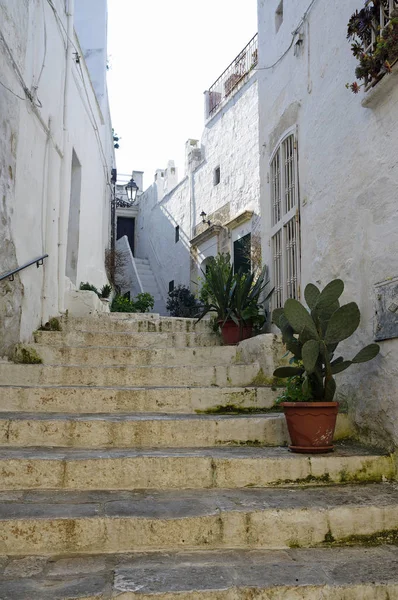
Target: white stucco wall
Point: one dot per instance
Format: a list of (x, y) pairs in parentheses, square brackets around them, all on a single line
[(230, 141), (156, 225), (348, 182), (38, 154)]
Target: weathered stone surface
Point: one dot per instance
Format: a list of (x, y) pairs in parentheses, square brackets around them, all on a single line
[(219, 375), (230, 467), (327, 574), (128, 340), (140, 430), (107, 522), (66, 355), (136, 323), (93, 399)]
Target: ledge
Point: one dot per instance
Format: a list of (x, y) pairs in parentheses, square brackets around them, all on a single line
[(206, 235), (381, 90), (239, 219), (124, 211)]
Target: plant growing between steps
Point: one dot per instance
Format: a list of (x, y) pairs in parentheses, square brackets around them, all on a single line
[(312, 338)]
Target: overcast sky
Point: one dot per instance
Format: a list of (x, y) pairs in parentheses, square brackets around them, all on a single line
[(163, 55)]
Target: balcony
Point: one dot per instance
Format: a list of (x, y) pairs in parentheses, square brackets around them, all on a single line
[(233, 77), (374, 33)]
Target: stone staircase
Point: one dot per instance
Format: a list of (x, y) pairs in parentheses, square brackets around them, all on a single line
[(140, 461), (149, 284)]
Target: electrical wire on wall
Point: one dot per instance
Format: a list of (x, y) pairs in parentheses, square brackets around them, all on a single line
[(18, 73), (294, 33), (36, 87)]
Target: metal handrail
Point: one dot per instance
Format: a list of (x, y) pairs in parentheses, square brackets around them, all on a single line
[(10, 275)]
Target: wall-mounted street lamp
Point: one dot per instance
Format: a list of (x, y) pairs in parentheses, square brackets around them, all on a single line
[(131, 190), (204, 220)]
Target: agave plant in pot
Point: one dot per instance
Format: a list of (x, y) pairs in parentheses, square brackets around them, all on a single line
[(234, 297), (312, 337)]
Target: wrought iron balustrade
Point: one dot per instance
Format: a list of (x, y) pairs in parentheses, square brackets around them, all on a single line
[(384, 11), (228, 82)]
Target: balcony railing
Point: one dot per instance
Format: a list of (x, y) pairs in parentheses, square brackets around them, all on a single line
[(233, 75), (387, 10)]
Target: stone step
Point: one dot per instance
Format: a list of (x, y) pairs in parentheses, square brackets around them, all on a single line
[(127, 340), (141, 261), (190, 468), (294, 574), (139, 430), (109, 355), (124, 376), (131, 324), (135, 399), (59, 522), (146, 430)]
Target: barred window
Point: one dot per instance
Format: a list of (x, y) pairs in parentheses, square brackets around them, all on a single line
[(285, 234)]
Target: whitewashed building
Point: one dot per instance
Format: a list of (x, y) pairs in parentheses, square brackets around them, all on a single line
[(56, 157), (329, 184), (215, 208)]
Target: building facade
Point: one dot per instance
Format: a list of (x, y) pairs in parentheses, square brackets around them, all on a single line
[(329, 181), (215, 208), (56, 157)]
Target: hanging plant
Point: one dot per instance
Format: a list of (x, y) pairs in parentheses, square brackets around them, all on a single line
[(374, 60)]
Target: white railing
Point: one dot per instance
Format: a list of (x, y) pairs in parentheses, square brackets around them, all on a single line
[(128, 277)]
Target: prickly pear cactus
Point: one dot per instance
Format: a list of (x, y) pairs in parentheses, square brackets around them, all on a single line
[(313, 336)]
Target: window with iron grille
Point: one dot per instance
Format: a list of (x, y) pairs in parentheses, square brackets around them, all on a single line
[(285, 233)]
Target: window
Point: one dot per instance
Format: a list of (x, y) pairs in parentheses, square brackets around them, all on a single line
[(279, 16), (177, 233), (285, 233), (171, 285), (217, 176)]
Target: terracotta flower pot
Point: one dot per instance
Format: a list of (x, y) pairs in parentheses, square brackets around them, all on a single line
[(311, 425), (233, 333)]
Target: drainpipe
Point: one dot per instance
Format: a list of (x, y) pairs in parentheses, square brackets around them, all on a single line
[(50, 302), (65, 178)]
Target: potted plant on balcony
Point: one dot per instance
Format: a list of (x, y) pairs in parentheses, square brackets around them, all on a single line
[(375, 58), (234, 297), (312, 338)]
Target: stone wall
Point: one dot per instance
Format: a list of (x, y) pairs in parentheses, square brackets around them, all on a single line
[(348, 176)]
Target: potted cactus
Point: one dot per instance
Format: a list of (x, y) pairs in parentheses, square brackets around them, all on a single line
[(312, 338)]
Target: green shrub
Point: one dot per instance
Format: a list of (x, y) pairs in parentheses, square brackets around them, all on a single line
[(144, 302), (181, 302)]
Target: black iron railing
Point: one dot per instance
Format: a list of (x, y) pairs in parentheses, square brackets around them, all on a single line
[(227, 83), (10, 274)]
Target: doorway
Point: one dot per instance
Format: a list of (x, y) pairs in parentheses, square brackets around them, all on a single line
[(126, 226), (242, 254)]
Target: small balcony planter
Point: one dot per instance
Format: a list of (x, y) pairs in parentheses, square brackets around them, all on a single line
[(312, 338)]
